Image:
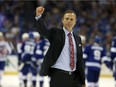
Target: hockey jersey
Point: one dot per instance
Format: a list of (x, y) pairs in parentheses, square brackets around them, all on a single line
[(27, 49), (94, 55), (40, 50)]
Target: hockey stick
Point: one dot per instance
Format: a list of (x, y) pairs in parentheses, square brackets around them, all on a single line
[(12, 64)]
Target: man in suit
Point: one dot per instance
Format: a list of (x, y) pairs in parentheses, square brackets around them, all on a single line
[(63, 61)]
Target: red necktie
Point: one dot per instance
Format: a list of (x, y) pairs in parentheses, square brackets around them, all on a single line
[(71, 48)]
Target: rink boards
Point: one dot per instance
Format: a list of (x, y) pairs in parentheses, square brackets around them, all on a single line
[(12, 67)]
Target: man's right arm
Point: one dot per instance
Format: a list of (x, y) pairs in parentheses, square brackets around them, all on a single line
[(39, 12), (41, 27)]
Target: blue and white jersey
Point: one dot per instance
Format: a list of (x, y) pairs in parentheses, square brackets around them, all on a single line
[(40, 50), (5, 49), (94, 55), (113, 50), (27, 49)]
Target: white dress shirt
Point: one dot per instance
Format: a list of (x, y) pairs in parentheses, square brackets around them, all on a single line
[(63, 62)]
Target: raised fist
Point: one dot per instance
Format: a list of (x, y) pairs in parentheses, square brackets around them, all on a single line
[(39, 10)]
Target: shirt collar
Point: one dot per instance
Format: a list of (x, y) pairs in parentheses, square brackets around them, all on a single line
[(66, 31)]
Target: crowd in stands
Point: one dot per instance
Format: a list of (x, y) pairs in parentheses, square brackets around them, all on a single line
[(93, 17)]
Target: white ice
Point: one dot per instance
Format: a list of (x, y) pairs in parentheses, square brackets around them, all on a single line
[(13, 81)]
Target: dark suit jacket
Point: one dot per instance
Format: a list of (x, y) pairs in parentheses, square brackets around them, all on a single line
[(56, 38)]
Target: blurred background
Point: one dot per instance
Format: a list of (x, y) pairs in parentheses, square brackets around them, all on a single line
[(94, 17)]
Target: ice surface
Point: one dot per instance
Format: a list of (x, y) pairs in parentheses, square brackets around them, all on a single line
[(13, 81)]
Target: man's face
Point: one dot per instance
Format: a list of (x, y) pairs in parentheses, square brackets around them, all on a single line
[(69, 21)]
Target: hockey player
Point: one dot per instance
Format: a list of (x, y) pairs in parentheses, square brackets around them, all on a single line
[(4, 51), (27, 49), (94, 55), (24, 38), (39, 52), (113, 57)]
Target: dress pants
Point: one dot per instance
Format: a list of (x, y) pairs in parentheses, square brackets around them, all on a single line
[(64, 79)]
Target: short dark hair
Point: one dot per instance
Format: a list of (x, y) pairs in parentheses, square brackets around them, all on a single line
[(69, 11)]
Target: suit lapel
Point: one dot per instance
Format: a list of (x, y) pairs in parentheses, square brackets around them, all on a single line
[(76, 39), (63, 37)]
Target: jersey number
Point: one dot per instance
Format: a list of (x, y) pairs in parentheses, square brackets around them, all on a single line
[(97, 54), (29, 49)]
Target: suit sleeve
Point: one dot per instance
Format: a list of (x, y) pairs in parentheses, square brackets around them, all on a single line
[(42, 28)]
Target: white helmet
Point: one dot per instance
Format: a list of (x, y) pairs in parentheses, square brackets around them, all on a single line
[(83, 38), (36, 34), (25, 35)]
